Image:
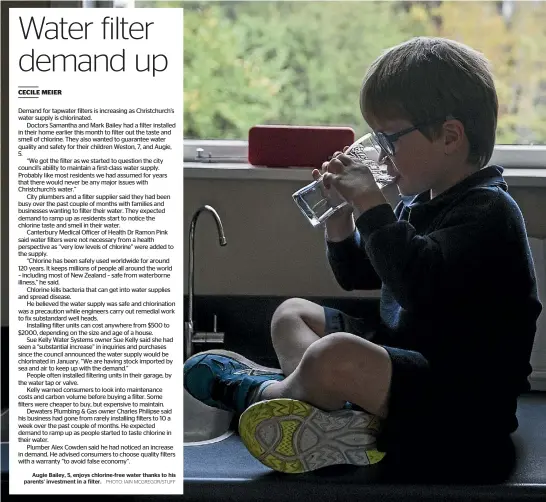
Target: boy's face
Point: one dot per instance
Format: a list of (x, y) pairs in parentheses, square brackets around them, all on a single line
[(418, 163)]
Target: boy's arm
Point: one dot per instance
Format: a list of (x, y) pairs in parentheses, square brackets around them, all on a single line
[(350, 264), (418, 268), (346, 253)]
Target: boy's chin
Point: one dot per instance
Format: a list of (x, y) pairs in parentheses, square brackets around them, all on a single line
[(406, 191)]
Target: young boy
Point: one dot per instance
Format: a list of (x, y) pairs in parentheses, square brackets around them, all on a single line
[(437, 379)]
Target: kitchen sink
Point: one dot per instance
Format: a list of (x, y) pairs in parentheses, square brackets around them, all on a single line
[(203, 424)]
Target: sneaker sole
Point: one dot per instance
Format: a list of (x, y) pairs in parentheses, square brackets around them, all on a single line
[(292, 436), (241, 359)]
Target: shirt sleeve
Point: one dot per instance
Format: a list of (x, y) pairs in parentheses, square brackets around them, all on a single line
[(351, 265), (419, 268)]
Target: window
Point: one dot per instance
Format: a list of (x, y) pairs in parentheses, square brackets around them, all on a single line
[(302, 63)]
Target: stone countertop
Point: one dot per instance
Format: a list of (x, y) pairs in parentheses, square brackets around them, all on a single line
[(226, 471)]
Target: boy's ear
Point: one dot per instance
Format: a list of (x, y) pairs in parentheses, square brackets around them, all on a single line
[(453, 135)]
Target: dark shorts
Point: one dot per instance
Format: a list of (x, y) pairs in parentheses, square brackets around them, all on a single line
[(410, 398), (420, 445)]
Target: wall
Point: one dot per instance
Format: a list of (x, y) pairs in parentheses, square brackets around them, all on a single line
[(272, 249)]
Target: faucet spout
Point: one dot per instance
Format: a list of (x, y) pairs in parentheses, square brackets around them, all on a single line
[(188, 325)]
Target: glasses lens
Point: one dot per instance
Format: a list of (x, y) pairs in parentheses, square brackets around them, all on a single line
[(384, 143)]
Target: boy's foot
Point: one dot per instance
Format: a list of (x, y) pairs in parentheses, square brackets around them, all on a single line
[(292, 436), (225, 379)]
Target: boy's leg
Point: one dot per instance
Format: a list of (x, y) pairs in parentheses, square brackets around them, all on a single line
[(300, 425), (338, 368), (296, 324), (292, 430), (335, 369)]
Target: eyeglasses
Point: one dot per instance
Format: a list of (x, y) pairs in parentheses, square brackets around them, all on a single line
[(386, 141)]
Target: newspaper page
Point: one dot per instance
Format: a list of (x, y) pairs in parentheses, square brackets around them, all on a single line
[(95, 247)]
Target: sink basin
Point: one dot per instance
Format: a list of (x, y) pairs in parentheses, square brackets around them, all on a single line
[(203, 424)]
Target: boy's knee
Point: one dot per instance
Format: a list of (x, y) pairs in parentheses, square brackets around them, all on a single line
[(286, 313), (341, 356), (329, 358)]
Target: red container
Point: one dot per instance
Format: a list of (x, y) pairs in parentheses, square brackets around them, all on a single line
[(296, 146)]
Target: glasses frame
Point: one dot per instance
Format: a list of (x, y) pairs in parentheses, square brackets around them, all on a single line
[(386, 141)]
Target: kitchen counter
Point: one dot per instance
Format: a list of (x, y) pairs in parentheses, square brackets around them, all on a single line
[(226, 471)]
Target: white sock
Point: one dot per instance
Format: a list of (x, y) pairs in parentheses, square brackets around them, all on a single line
[(256, 395)]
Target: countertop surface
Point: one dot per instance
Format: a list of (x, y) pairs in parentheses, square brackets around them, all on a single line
[(226, 471)]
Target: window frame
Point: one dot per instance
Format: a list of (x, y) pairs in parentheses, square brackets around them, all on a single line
[(236, 152)]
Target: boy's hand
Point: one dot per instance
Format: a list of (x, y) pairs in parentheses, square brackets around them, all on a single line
[(343, 213), (354, 182), (339, 225)]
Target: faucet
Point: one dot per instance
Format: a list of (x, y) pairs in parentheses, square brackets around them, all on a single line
[(190, 336)]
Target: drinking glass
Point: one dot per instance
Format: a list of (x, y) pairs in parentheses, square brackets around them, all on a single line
[(318, 203)]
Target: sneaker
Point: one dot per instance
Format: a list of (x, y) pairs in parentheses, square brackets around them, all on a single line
[(224, 379), (292, 436)]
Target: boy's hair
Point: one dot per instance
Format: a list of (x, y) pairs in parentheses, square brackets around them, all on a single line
[(426, 79)]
